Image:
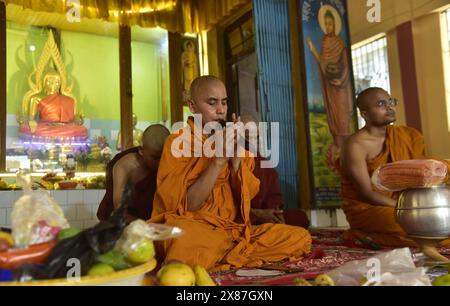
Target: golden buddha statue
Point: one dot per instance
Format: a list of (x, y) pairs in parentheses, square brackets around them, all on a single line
[(49, 109), (137, 135)]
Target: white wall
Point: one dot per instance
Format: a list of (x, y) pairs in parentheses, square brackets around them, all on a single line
[(434, 94), (393, 13), (79, 206)]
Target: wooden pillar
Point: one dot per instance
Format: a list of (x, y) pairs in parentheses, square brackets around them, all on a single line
[(306, 194), (126, 88), (176, 89), (409, 75), (2, 87)]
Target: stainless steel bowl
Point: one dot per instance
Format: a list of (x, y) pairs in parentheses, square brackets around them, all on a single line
[(425, 213)]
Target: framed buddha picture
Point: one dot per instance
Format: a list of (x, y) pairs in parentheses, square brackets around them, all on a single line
[(329, 92), (190, 66)]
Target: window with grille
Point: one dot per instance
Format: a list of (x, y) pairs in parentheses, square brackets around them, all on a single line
[(448, 24), (446, 58), (370, 67)]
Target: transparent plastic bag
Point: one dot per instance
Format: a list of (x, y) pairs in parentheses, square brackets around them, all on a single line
[(409, 174), (394, 268), (139, 232), (36, 217)]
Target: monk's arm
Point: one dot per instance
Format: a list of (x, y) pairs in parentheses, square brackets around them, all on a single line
[(120, 178), (235, 183), (355, 165), (199, 191)]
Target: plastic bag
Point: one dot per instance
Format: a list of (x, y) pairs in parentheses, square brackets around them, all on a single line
[(36, 217), (152, 231), (84, 247), (394, 268), (138, 231), (408, 174)]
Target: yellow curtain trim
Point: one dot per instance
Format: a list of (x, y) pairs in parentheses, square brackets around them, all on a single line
[(175, 16)]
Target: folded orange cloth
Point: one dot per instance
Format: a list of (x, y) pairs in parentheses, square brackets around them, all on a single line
[(410, 174)]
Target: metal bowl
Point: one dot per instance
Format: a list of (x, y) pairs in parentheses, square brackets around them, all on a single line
[(425, 213)]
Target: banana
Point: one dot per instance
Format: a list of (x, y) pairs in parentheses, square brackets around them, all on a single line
[(301, 282), (202, 277), (7, 237), (323, 280)]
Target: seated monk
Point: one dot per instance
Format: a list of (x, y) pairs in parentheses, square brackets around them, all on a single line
[(209, 197), (267, 205), (53, 114), (138, 165), (369, 211)]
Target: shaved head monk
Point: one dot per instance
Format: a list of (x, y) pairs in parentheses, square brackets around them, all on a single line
[(369, 211), (138, 165), (209, 198)]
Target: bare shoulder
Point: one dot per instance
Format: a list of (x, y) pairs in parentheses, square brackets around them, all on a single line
[(127, 162), (356, 142)]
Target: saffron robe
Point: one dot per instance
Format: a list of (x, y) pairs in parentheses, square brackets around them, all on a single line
[(219, 236), (378, 222)]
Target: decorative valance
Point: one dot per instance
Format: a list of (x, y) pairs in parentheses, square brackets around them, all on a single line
[(173, 15)]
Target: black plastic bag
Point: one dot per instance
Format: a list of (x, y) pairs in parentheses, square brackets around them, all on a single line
[(85, 246)]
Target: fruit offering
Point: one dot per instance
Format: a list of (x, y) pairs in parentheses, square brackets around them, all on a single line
[(176, 274), (443, 280), (100, 269), (202, 277), (6, 241), (3, 185), (141, 252), (320, 280), (68, 233), (114, 259), (180, 274)]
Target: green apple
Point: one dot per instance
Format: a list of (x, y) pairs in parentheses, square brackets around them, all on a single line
[(443, 280), (115, 259), (68, 233), (100, 269), (142, 252)]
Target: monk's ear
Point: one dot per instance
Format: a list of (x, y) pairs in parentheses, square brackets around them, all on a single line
[(364, 114), (191, 105), (141, 150)]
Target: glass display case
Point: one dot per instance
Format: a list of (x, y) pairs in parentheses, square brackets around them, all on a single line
[(63, 89)]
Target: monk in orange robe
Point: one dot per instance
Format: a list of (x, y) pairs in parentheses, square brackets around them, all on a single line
[(369, 211), (209, 197)]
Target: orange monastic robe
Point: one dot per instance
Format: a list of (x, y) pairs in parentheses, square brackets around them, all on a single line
[(378, 222), (219, 236)]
